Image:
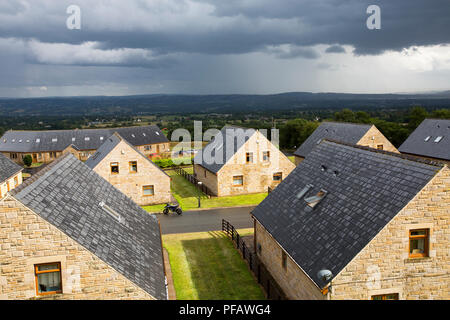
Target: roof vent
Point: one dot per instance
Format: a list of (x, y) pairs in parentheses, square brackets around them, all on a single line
[(323, 168), (315, 200), (111, 212), (335, 173), (304, 191)]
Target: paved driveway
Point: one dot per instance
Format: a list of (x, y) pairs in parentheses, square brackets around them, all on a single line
[(205, 220)]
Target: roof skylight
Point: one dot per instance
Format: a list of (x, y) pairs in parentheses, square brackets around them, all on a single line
[(438, 139), (315, 200), (427, 138), (304, 191), (110, 211)]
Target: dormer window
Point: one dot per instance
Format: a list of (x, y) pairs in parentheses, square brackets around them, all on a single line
[(314, 200)]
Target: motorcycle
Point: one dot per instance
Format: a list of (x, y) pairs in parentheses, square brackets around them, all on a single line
[(169, 208)]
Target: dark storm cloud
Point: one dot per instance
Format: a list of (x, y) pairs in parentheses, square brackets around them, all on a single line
[(232, 26), (335, 49)]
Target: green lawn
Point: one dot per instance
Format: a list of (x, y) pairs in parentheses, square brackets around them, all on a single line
[(205, 265), (187, 195)]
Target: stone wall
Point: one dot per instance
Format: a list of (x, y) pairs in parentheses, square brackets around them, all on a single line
[(384, 266), (131, 183), (257, 176), (26, 239), (294, 282), (208, 178), (10, 184), (373, 138)]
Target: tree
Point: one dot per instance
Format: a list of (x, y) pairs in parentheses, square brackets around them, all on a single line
[(27, 160), (416, 116)]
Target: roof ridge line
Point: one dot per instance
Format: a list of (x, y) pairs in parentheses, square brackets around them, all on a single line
[(390, 153)]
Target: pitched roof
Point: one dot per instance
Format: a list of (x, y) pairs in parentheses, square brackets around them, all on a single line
[(418, 144), (82, 139), (223, 146), (109, 146), (339, 131), (365, 190), (8, 168), (68, 195)]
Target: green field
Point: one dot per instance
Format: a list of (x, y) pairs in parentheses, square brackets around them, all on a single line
[(205, 265)]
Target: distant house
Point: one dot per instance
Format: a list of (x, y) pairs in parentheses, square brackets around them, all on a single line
[(377, 221), (241, 161), (430, 140), (10, 175), (69, 234), (352, 133), (46, 146), (130, 171)]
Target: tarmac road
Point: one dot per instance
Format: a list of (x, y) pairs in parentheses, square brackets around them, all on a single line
[(205, 220)]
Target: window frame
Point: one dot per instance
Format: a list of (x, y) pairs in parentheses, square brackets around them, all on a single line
[(426, 238), (37, 272), (149, 187), (268, 156), (249, 157), (383, 296), (111, 165), (276, 174), (130, 164), (380, 147), (238, 185)]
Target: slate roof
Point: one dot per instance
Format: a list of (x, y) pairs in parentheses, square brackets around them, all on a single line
[(67, 194), (109, 146), (82, 139), (223, 146), (8, 168), (433, 128), (370, 188), (340, 131)]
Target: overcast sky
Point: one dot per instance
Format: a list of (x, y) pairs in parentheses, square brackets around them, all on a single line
[(222, 46)]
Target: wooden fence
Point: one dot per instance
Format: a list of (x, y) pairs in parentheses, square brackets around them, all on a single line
[(272, 290), (192, 179)]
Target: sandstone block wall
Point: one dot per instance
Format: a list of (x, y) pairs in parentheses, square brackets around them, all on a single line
[(131, 184), (26, 239)]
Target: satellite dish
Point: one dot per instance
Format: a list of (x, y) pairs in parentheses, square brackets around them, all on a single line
[(325, 275)]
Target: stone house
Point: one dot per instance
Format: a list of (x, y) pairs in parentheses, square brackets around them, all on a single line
[(359, 134), (130, 171), (430, 140), (378, 223), (10, 175), (241, 161), (66, 233), (46, 146)]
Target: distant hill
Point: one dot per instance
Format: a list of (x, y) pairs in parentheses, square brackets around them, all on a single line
[(161, 103)]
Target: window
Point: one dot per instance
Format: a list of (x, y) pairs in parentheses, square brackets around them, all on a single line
[(148, 148), (114, 168), (148, 190), (48, 278), (205, 173), (55, 140), (13, 155), (266, 156), (249, 157), (427, 138), (380, 147), (303, 191), (278, 176), (284, 260), (438, 139), (16, 181), (390, 296), (87, 138), (418, 243), (314, 200), (238, 181), (133, 166)]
